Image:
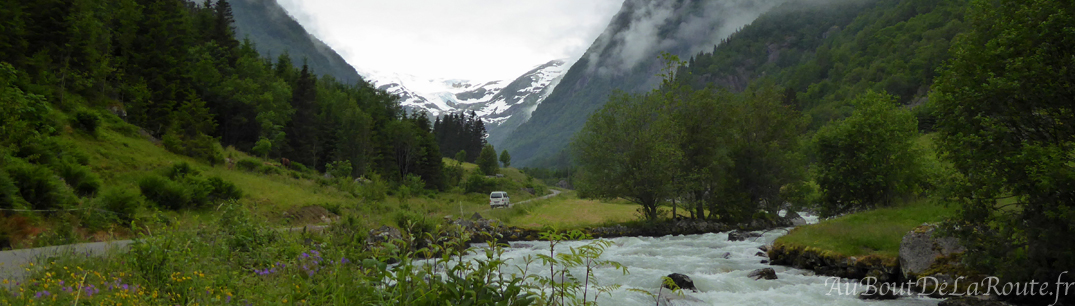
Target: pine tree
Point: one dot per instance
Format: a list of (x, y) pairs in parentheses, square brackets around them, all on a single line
[(302, 130)]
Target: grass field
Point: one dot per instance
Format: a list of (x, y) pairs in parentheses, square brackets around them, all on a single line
[(567, 211), (875, 232)]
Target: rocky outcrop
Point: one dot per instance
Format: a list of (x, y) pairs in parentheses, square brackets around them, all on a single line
[(742, 236), (920, 250), (564, 184), (832, 264), (682, 281), (384, 234), (765, 273)]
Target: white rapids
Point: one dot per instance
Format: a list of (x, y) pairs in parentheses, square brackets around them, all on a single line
[(720, 280)]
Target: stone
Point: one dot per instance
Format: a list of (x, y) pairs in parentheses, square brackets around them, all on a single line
[(682, 281), (726, 255), (766, 273), (794, 218), (476, 217), (919, 250), (384, 234), (761, 254), (742, 236)]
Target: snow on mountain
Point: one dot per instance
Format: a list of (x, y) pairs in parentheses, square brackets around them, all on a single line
[(502, 104)]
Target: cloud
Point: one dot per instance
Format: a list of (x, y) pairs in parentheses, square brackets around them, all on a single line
[(686, 28), (469, 39)]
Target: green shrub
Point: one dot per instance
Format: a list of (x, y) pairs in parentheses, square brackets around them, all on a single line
[(181, 169), (480, 184), (415, 224), (79, 177), (200, 190), (123, 202), (248, 164), (164, 192), (39, 186), (373, 190), (223, 190), (7, 191), (300, 167), (86, 120), (269, 169)]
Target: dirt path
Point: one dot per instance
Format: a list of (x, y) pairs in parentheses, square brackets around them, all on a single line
[(554, 193)]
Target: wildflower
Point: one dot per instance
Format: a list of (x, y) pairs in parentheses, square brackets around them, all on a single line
[(228, 299), (41, 294), (304, 255)]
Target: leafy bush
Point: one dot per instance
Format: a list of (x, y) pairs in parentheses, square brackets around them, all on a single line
[(373, 190), (79, 177), (248, 164), (181, 169), (269, 169), (300, 167), (339, 169), (480, 184), (7, 191), (39, 186), (164, 192), (123, 202), (223, 190), (86, 120)]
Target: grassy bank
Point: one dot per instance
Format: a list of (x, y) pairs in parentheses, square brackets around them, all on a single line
[(876, 232), (567, 211)]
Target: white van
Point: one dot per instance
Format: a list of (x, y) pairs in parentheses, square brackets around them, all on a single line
[(499, 199)]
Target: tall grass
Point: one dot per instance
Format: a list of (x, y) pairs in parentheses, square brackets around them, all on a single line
[(874, 232)]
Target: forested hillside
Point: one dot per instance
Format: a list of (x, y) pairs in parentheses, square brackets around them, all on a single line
[(275, 32), (172, 72), (824, 52), (828, 52)]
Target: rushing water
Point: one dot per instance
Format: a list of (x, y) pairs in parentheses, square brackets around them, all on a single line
[(720, 281)]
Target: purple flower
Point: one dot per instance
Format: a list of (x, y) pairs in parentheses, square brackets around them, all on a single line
[(41, 294), (228, 299), (61, 282), (304, 255), (125, 287), (344, 261)]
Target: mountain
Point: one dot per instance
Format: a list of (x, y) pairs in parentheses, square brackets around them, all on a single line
[(274, 32), (624, 57), (502, 105)]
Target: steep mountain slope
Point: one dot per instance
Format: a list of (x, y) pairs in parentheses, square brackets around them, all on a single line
[(624, 58), (503, 105), (274, 32)]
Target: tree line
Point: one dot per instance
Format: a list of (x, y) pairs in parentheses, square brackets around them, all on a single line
[(176, 69)]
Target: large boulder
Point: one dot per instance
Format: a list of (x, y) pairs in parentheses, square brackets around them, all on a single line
[(766, 273), (682, 281), (794, 218), (920, 250), (384, 234), (742, 236), (564, 184)]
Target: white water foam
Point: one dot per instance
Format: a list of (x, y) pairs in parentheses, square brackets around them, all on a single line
[(720, 281)]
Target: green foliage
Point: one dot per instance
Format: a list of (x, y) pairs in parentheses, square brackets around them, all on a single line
[(339, 169), (87, 121), (626, 151), (869, 159), (461, 156), (164, 192), (189, 133), (1004, 121), (487, 161), (39, 187), (25, 116), (223, 190), (8, 191), (249, 164), (480, 184), (505, 158), (181, 169), (123, 202), (375, 190), (262, 147), (566, 286), (79, 177)]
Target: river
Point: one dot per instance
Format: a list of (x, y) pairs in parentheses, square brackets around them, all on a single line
[(720, 280)]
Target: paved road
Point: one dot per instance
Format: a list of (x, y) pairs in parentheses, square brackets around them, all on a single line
[(13, 263)]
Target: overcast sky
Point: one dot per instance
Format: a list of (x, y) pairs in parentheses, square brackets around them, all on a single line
[(462, 39)]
